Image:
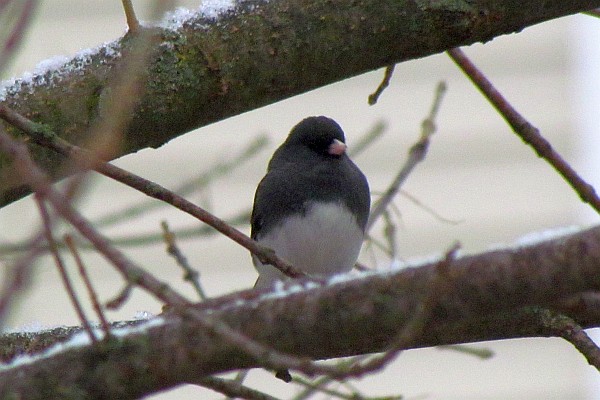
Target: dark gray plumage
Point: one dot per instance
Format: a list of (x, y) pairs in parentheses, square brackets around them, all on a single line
[(313, 204)]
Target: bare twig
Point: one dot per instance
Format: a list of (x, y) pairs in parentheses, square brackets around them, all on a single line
[(190, 274), (560, 325), (416, 154), (361, 267), (121, 298), (221, 168), (125, 91), (17, 34), (84, 158), (368, 138), (483, 353), (232, 389), (40, 183), (387, 76), (136, 240), (311, 388), (429, 210), (319, 386), (527, 132), (62, 270), (118, 101), (17, 277), (389, 233), (132, 21), (88, 284)]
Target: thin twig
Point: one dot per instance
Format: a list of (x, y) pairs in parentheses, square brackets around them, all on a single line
[(120, 97), (41, 184), (416, 154), (132, 21), (312, 387), (120, 299), (88, 284), (136, 240), (85, 159), (483, 353), (561, 325), (389, 233), (123, 94), (429, 210), (387, 76), (368, 138), (190, 274), (220, 169), (16, 36), (361, 267), (527, 132), (62, 270), (319, 386), (17, 277), (231, 388)]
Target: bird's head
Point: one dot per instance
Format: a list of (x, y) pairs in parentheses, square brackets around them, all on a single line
[(321, 135)]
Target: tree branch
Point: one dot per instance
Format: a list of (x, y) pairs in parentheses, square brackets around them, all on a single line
[(494, 295), (255, 54)]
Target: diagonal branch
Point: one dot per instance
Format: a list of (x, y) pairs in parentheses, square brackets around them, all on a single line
[(85, 159), (526, 131)]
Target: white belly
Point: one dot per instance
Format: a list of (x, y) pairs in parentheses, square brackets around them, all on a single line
[(325, 241)]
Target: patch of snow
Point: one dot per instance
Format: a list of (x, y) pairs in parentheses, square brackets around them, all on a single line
[(213, 8), (143, 316), (396, 264), (52, 63), (32, 327), (346, 277), (128, 330), (210, 9), (78, 340), (177, 18), (534, 238), (48, 72)]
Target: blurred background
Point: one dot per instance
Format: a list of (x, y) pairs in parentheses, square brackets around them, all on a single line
[(479, 185)]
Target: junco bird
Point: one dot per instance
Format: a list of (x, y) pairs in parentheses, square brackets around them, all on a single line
[(312, 205)]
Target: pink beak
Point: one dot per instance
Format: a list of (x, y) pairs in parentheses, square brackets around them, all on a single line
[(337, 148)]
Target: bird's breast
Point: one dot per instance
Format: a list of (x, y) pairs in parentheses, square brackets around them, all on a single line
[(324, 240)]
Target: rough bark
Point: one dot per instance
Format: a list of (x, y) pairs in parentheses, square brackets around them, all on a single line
[(258, 53), (494, 295)]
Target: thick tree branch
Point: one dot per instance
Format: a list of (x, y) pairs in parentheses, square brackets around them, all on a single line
[(489, 296), (257, 53)]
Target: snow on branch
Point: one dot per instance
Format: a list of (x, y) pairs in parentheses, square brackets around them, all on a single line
[(507, 293), (232, 57)]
